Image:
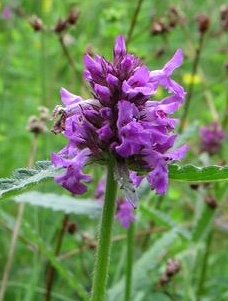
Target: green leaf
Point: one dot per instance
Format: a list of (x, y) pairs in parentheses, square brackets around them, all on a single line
[(203, 223), (194, 174), (23, 178), (147, 262), (64, 203)]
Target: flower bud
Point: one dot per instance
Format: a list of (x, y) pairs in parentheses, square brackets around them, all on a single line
[(37, 24), (224, 17), (164, 280), (36, 126), (73, 16), (203, 23), (194, 186), (61, 26), (173, 268), (159, 28), (71, 228), (211, 202)]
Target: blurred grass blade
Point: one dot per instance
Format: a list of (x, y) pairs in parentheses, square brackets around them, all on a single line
[(203, 223), (148, 262), (161, 218)]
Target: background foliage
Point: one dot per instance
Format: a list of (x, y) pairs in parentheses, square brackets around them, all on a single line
[(33, 68)]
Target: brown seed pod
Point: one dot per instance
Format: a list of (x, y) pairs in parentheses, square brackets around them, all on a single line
[(203, 23), (159, 28), (211, 202), (173, 267), (37, 24), (73, 16), (61, 26)]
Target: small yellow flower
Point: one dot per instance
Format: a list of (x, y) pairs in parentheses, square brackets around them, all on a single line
[(189, 79), (47, 6)]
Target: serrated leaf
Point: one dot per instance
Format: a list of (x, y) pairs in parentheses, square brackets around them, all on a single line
[(23, 178), (64, 203), (147, 262), (193, 174)]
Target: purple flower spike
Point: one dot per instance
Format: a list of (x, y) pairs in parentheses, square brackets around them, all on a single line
[(7, 13), (122, 119), (212, 138)]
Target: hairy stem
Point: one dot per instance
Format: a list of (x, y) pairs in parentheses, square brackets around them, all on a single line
[(51, 270), (104, 240), (134, 20), (129, 259), (191, 86), (16, 230)]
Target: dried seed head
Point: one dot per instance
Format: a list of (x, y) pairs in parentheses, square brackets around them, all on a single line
[(159, 28), (176, 17), (160, 53), (173, 267), (73, 16), (37, 24), (36, 126), (164, 280), (224, 12), (61, 26), (71, 228), (203, 23), (44, 114), (211, 202), (194, 186)]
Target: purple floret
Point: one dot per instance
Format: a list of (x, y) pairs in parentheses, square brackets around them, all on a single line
[(212, 138), (125, 213), (122, 119)]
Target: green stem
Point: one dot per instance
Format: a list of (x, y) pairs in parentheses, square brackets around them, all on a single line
[(204, 266), (191, 86), (104, 240), (134, 20), (130, 258)]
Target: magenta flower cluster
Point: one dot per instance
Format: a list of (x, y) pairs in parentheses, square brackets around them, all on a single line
[(122, 119), (212, 138)]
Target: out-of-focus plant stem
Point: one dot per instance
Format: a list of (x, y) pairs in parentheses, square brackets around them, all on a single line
[(129, 260), (105, 237), (191, 86), (51, 270), (134, 20), (68, 56), (43, 68), (19, 218), (225, 118), (204, 266)]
